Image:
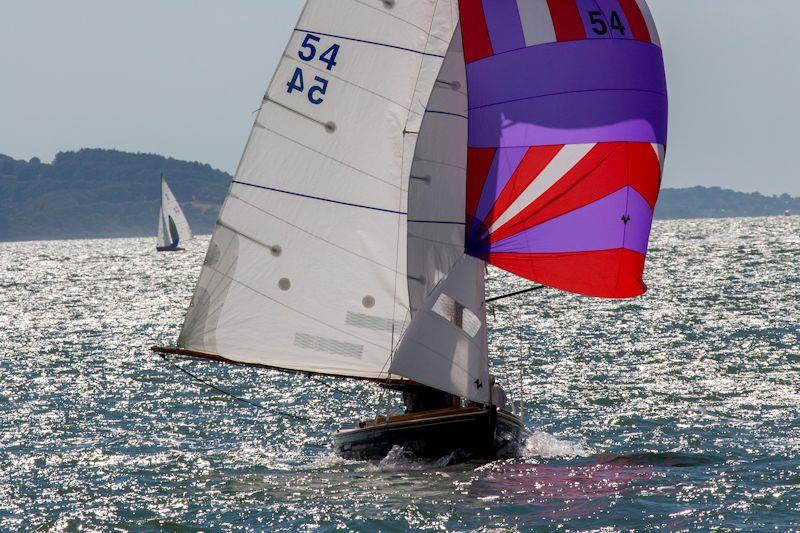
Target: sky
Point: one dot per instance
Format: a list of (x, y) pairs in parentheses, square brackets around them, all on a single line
[(182, 78)]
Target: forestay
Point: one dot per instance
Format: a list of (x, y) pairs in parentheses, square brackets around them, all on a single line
[(172, 224), (445, 345), (567, 135), (306, 269)]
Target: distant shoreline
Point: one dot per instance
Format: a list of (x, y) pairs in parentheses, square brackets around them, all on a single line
[(109, 194), (208, 235)]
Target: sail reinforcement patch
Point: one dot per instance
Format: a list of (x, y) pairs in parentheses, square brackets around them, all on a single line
[(321, 344), (374, 323), (458, 315)]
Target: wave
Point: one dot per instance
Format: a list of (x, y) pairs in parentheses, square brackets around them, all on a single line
[(546, 446), (668, 459)]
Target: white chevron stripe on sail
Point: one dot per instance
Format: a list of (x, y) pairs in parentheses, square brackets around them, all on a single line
[(537, 22), (566, 159)]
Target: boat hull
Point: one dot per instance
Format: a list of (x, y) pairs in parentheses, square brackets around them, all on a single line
[(168, 249), (476, 433)]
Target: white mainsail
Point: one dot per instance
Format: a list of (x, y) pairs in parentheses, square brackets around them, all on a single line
[(306, 269), (445, 346), (172, 224)]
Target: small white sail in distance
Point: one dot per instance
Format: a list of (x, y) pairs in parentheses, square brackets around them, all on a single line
[(173, 228), (307, 268)]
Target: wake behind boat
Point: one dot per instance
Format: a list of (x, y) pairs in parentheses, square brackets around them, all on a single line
[(173, 228), (355, 236)]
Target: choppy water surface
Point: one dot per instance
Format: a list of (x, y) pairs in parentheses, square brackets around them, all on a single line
[(678, 410)]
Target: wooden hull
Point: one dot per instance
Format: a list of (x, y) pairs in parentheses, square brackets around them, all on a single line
[(477, 433)]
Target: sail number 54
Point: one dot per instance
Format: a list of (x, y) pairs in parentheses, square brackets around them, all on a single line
[(310, 52), (601, 27)]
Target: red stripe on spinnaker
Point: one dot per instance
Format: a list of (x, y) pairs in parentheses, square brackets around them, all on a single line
[(479, 162), (607, 168), (535, 161), (644, 171), (636, 20), (475, 32), (567, 20), (604, 274)]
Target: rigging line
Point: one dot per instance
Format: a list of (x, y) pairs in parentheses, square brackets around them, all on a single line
[(312, 378), (231, 395), (518, 293), (446, 113), (441, 163), (353, 39)]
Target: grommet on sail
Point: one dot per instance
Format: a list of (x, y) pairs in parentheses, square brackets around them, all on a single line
[(567, 135)]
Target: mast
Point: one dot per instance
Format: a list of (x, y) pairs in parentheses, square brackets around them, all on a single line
[(445, 345)]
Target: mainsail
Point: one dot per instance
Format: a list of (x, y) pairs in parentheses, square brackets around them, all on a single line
[(172, 224), (306, 269), (567, 135)]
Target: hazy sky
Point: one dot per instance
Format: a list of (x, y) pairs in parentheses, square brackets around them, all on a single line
[(182, 77)]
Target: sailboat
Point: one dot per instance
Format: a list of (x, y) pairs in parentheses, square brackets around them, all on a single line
[(173, 228), (400, 149)]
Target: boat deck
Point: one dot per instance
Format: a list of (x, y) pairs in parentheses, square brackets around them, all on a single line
[(417, 416)]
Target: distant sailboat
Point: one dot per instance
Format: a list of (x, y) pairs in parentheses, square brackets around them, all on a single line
[(173, 228), (355, 235)]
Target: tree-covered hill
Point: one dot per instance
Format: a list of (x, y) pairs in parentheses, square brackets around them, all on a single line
[(714, 202), (102, 193), (95, 193)]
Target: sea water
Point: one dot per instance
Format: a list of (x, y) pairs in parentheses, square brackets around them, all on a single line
[(677, 411)]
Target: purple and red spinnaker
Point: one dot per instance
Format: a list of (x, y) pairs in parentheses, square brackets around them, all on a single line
[(567, 136)]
